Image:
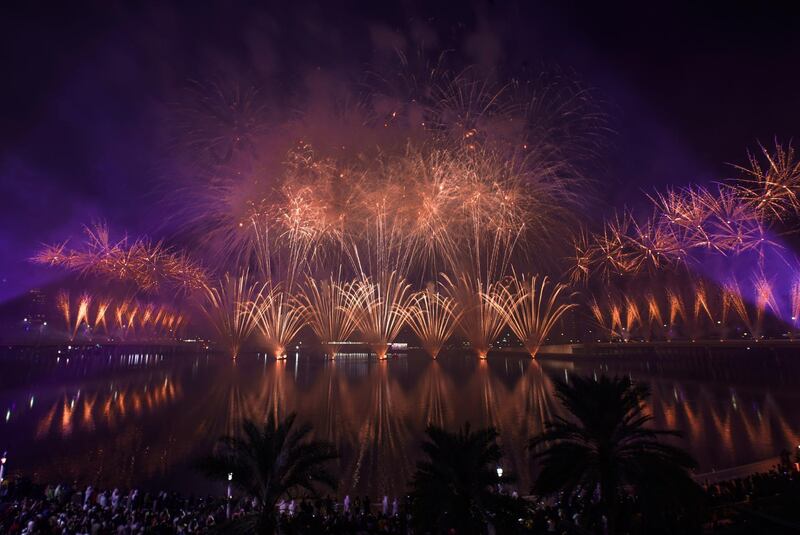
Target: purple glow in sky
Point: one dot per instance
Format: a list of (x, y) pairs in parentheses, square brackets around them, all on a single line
[(89, 89)]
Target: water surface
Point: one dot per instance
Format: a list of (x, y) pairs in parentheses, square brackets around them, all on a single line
[(139, 418)]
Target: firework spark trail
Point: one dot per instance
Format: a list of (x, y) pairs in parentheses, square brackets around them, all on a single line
[(654, 317), (158, 319), (127, 318), (433, 319), (119, 315), (180, 322), (733, 295), (616, 319), (480, 321), (63, 305), (497, 215), (632, 315), (100, 315), (701, 301), (764, 299), (172, 323), (147, 316), (130, 321), (600, 317), (167, 322), (676, 307), (531, 308), (381, 306), (700, 304), (83, 313), (706, 310), (794, 301), (226, 306), (725, 307)]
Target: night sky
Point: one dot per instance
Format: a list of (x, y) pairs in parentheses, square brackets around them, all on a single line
[(88, 87)]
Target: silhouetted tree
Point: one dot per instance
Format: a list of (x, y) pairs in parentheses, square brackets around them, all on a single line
[(456, 486), (271, 462), (606, 447)]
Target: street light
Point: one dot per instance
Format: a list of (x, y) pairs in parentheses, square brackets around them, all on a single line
[(3, 460), (228, 507)]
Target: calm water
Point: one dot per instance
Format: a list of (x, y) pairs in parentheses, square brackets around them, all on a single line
[(138, 419)]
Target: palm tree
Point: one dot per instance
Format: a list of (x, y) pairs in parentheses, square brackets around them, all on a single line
[(607, 447), (455, 486), (271, 462)]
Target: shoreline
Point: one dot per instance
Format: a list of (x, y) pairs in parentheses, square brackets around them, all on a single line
[(737, 472)]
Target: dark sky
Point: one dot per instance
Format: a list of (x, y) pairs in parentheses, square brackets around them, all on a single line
[(87, 87)]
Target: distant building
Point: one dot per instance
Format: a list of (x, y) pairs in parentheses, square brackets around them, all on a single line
[(35, 310)]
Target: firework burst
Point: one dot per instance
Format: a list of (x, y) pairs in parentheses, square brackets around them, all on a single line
[(142, 263), (771, 182)]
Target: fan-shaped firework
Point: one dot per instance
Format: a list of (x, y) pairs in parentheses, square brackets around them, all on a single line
[(227, 307), (531, 308), (480, 321), (432, 317), (278, 316), (327, 308), (380, 305)]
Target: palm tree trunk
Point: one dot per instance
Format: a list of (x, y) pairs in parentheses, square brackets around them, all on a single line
[(267, 523), (608, 497)]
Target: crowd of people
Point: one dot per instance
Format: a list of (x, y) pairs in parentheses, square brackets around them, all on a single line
[(26, 509), (772, 495), (781, 479), (65, 510)]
